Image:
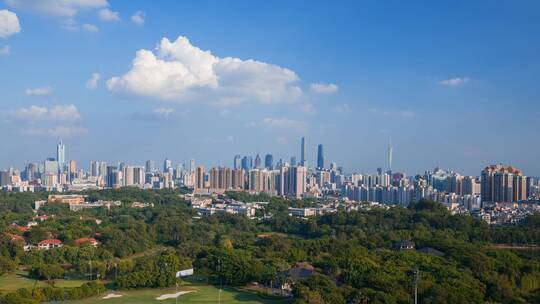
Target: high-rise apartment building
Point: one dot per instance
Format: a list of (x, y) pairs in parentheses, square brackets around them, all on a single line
[(199, 178), (500, 184)]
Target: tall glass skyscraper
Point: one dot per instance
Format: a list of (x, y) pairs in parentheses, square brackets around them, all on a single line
[(303, 153), (320, 156), (269, 162), (61, 155)]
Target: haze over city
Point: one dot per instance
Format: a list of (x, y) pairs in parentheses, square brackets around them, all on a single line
[(449, 88)]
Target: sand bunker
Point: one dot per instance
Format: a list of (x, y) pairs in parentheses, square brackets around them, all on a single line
[(112, 296), (173, 295)]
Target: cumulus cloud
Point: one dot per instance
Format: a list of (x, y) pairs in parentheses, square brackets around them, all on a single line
[(89, 28), (323, 88), (55, 113), (58, 131), (5, 50), (92, 83), (138, 18), (106, 14), (9, 23), (38, 91), (179, 71), (454, 82), (58, 8)]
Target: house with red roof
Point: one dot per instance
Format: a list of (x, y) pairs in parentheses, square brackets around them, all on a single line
[(50, 243)]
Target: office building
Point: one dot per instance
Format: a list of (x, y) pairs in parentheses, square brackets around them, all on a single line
[(167, 164), (269, 162), (61, 155), (303, 153), (237, 162), (150, 166), (320, 156), (257, 161)]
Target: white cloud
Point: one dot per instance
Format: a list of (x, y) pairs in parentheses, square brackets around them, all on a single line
[(163, 112), (323, 88), (55, 113), (106, 14), (279, 122), (89, 28), (5, 50), (58, 8), (181, 72), (38, 91), (73, 25), (58, 131), (138, 18), (9, 23), (92, 83), (454, 82)]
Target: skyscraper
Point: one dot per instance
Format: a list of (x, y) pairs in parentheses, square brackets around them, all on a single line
[(502, 184), (167, 163), (61, 155), (293, 161), (150, 166), (237, 163), (247, 163), (303, 152), (269, 162), (320, 156), (199, 178), (192, 165), (257, 161)]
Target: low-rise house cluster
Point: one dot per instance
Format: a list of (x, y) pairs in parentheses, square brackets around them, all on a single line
[(207, 206)]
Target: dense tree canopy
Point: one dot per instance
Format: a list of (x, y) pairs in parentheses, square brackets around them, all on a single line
[(352, 253)]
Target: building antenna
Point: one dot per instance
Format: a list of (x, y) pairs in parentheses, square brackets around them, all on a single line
[(390, 152)]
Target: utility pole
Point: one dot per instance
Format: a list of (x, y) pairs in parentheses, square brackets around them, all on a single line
[(416, 278), (220, 281)]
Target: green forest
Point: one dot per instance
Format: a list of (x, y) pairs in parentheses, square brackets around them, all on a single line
[(353, 254)]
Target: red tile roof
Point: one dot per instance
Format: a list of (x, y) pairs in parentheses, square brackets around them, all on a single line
[(50, 242)]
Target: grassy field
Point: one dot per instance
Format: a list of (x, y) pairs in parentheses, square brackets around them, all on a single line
[(201, 294), (20, 279)]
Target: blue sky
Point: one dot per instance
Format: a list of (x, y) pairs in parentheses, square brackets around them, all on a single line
[(454, 83)]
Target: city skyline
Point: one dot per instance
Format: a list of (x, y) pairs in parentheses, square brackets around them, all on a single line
[(448, 93), (245, 162)]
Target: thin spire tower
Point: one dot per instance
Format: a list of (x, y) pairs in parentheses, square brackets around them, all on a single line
[(390, 152)]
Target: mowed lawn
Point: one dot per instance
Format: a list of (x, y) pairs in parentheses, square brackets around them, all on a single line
[(13, 281), (201, 294)]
